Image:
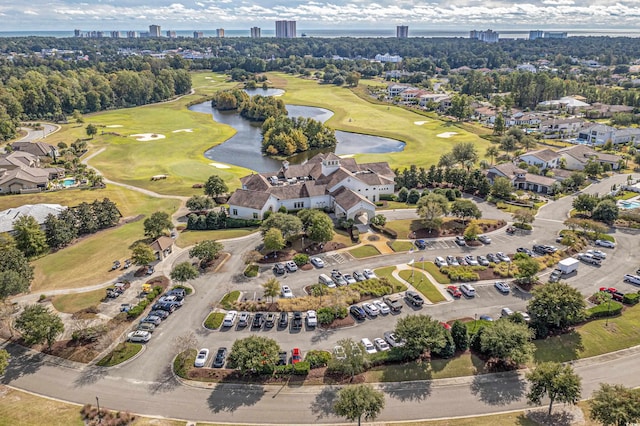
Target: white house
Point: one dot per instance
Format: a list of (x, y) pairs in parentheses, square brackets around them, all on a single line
[(599, 134), (576, 157), (543, 158), (326, 182)]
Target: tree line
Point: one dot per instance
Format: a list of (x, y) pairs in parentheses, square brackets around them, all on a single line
[(254, 108), (283, 135)]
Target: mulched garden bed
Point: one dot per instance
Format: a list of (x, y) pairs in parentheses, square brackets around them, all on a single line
[(452, 228)]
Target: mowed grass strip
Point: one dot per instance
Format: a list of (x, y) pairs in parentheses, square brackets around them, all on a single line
[(189, 238), (214, 320), (434, 271), (399, 246), (387, 272), (404, 227), (123, 352), (422, 284), (74, 302), (364, 251)]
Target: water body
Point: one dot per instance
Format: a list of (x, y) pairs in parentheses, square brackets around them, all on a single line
[(244, 148)]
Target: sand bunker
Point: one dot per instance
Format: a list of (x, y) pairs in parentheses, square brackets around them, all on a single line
[(447, 134), (420, 123), (346, 156), (111, 126), (183, 130), (144, 137), (220, 166), (208, 78)]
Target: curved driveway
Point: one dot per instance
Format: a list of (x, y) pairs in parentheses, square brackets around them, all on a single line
[(146, 385)]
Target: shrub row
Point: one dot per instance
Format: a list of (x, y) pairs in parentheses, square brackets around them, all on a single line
[(631, 298), (463, 273), (387, 231), (609, 309), (327, 314), (317, 359), (388, 197), (137, 310)]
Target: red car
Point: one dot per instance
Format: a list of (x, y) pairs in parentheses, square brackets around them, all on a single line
[(445, 325), (296, 356), (454, 291), (609, 290)]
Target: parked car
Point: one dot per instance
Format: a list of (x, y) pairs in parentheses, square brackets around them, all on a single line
[(380, 344), (605, 243), (357, 312), (150, 270), (146, 326), (486, 317), (550, 248), (609, 290), (201, 358), (339, 280), (283, 358), (291, 266), (296, 355), (326, 280), (229, 318), (484, 239), (506, 312), (317, 262), (180, 292), (125, 307), (393, 340), (394, 303), (152, 319), (371, 309), (461, 261), (368, 346), (286, 292), (383, 308), (339, 353), (502, 287), (162, 314), (349, 279), (369, 274), (168, 306), (525, 251), (270, 320), (452, 261), (454, 291), (493, 258), (421, 244), (296, 321), (283, 320), (359, 276), (468, 290), (460, 241), (598, 254), (173, 299), (555, 276), (278, 269), (258, 320), (503, 257), (540, 249), (220, 359), (414, 298), (243, 319), (115, 265), (633, 279), (139, 336), (312, 319), (471, 261), (440, 262), (587, 258), (482, 261), (355, 348), (525, 316)]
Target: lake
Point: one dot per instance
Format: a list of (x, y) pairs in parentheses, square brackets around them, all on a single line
[(243, 149)]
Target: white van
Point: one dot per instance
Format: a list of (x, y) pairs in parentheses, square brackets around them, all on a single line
[(468, 290), (326, 280), (633, 279), (506, 312), (230, 319)]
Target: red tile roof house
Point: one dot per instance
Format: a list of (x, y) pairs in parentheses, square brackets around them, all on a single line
[(326, 181)]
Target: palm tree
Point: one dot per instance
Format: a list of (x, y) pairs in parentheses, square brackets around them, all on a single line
[(492, 152)]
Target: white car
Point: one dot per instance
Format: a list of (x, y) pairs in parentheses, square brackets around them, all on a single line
[(291, 266), (317, 262), (503, 257), (312, 318), (368, 346), (371, 309), (484, 239), (382, 307), (369, 274), (381, 345), (471, 261), (139, 336), (286, 292), (605, 243), (525, 316), (502, 287), (452, 261), (506, 312), (349, 279), (201, 358), (339, 353), (468, 290), (598, 254), (440, 262), (393, 340), (633, 279)]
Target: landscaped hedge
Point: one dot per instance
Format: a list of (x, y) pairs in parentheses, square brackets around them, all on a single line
[(608, 309), (631, 298), (525, 226), (388, 197), (387, 231), (137, 310), (317, 359), (463, 273), (301, 368)]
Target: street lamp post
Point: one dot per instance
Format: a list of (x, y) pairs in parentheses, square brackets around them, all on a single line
[(99, 414)]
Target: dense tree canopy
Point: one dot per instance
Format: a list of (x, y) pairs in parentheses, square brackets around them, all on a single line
[(254, 354), (39, 325), (556, 381), (354, 402), (16, 273), (283, 135)]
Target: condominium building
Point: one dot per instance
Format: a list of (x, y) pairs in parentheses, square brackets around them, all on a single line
[(488, 36), (198, 34), (535, 34), (155, 31), (172, 34), (285, 29), (255, 32), (132, 34), (220, 33), (402, 31)]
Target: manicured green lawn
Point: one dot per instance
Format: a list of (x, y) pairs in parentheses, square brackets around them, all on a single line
[(402, 246), (463, 365), (120, 354), (396, 205), (364, 251), (74, 302), (189, 238), (386, 273), (422, 284), (214, 320), (625, 195), (354, 114), (434, 271), (404, 226), (230, 298)]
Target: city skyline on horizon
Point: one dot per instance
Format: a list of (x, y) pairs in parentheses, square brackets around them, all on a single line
[(123, 15)]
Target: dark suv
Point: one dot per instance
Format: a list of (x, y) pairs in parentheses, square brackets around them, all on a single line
[(296, 322), (278, 269), (413, 298), (258, 320), (283, 321), (357, 312)]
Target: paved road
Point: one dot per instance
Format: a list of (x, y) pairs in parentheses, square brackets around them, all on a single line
[(145, 385), (36, 135)]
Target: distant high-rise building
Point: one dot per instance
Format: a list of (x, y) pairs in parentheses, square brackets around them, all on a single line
[(77, 33), (132, 34), (488, 36), (155, 31), (402, 31), (255, 32), (285, 29), (172, 34), (555, 34), (115, 34), (198, 34), (220, 33), (535, 34)]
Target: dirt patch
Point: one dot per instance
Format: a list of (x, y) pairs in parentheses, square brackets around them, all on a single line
[(348, 321), (73, 351), (373, 238), (134, 219), (306, 267)]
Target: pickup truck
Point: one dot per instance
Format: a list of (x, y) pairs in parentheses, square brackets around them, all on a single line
[(394, 303), (587, 258), (296, 322), (413, 298)]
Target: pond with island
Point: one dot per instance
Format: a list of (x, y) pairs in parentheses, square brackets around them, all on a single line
[(244, 148)]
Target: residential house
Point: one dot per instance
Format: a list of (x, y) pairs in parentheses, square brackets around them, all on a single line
[(569, 103), (38, 211), (561, 128), (599, 134), (162, 247), (443, 100), (543, 159), (577, 156), (326, 182), (394, 90), (599, 110), (527, 67), (21, 172), (411, 95), (39, 149), (521, 179)]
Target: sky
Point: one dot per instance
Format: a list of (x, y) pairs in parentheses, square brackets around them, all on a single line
[(125, 15)]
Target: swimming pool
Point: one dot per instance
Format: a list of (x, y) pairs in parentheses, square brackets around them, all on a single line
[(629, 205), (69, 182)]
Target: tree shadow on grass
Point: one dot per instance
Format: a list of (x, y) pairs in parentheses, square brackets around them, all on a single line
[(405, 383), (322, 406), (563, 348), (229, 397), (90, 375), (23, 362), (499, 389)]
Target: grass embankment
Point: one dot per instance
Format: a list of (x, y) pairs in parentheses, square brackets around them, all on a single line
[(434, 271), (189, 238), (89, 260), (122, 352), (386, 272), (229, 299), (399, 246), (404, 227), (74, 302), (463, 365), (353, 114), (422, 284), (364, 251), (214, 320)]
